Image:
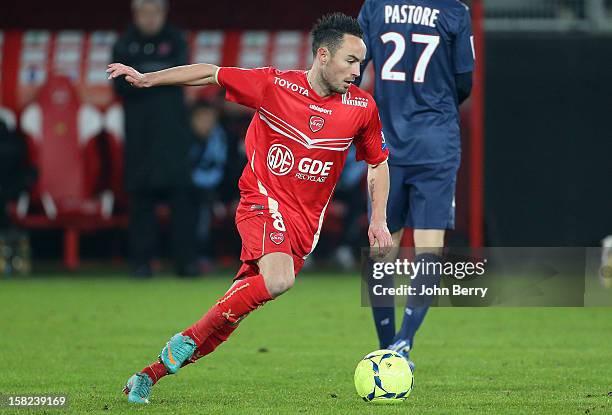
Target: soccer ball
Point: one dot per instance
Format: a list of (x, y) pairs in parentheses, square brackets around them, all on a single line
[(383, 376)]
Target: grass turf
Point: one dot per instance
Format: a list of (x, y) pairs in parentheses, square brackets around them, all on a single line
[(85, 337)]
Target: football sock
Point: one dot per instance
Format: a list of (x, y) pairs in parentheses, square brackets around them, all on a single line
[(212, 342), (155, 371), (383, 308), (384, 320), (417, 306), (245, 296)]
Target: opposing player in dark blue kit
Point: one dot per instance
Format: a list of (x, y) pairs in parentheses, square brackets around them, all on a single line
[(423, 56)]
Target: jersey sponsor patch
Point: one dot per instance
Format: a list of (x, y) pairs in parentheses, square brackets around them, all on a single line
[(320, 109), (290, 86), (277, 237), (313, 170), (280, 159), (316, 123), (347, 99)]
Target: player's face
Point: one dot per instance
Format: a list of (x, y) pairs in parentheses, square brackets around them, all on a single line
[(149, 18), (342, 67)]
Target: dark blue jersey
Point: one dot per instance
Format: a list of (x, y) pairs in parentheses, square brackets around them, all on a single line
[(417, 47)]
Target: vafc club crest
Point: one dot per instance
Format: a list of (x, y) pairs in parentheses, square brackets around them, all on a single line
[(277, 237), (316, 123)]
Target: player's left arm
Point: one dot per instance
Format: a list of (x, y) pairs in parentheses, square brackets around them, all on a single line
[(371, 147), (463, 55), (463, 85), (378, 192)]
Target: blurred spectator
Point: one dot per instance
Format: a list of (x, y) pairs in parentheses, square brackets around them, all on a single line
[(350, 195), (235, 119), (157, 139), (208, 156), (16, 175), (568, 9)]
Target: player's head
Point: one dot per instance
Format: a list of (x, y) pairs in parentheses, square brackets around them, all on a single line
[(338, 50), (149, 15)]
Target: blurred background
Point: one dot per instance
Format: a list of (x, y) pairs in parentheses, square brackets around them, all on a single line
[(537, 135)]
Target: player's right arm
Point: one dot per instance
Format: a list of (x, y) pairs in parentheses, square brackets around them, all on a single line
[(242, 86), (185, 75)]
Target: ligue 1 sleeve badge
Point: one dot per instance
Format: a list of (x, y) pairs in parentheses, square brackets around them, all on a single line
[(316, 123), (277, 237)]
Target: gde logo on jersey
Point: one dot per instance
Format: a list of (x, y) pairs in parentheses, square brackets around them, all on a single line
[(316, 123), (280, 159), (313, 170)]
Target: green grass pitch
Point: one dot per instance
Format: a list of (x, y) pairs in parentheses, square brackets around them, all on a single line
[(85, 336)]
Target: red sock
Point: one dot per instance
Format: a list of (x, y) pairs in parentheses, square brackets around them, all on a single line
[(215, 339), (156, 371), (244, 297)]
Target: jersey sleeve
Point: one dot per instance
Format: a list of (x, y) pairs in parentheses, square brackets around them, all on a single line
[(370, 141), (244, 86), (463, 48)]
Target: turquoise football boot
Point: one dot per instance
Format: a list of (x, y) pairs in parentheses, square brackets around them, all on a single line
[(138, 388), (177, 351)]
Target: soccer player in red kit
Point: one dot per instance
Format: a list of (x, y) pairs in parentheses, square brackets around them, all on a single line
[(296, 146)]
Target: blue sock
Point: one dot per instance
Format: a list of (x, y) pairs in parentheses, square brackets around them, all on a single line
[(417, 306), (384, 320), (383, 311)]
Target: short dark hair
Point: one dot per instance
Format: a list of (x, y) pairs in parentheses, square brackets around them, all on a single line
[(331, 28)]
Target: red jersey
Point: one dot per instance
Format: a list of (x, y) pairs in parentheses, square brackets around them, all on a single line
[(296, 147)]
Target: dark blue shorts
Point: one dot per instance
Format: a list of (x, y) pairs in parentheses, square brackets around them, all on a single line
[(422, 196)]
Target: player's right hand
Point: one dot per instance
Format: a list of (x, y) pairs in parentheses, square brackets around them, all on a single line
[(132, 76)]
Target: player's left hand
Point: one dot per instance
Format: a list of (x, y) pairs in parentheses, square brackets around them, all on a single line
[(380, 239)]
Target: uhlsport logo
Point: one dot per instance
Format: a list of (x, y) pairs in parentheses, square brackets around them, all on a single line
[(277, 237), (280, 159), (320, 109), (316, 123)]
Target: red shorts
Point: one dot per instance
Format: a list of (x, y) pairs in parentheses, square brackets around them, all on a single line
[(260, 237)]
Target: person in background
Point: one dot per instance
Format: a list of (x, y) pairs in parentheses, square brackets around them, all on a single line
[(349, 192), (157, 140), (208, 157), (423, 57), (16, 175)]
